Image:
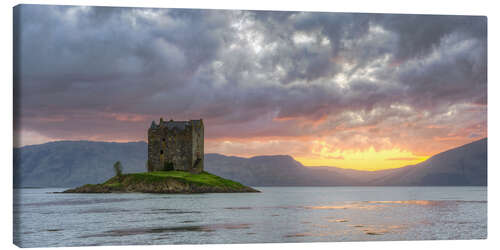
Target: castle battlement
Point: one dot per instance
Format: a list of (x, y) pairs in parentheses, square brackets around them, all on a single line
[(176, 145)]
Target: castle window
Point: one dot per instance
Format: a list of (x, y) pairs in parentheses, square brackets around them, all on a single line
[(161, 152), (163, 139)]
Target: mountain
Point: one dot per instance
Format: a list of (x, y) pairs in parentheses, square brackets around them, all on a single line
[(276, 170), (74, 163), (461, 166)]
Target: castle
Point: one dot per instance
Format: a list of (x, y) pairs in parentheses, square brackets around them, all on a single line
[(176, 145)]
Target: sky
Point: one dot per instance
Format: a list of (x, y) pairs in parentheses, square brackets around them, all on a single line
[(360, 91)]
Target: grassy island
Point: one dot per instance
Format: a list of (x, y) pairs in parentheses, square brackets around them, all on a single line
[(164, 182)]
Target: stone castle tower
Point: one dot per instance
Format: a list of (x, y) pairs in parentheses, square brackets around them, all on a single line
[(176, 145)]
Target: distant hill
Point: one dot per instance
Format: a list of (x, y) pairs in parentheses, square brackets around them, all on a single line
[(465, 165), (276, 170), (74, 163)]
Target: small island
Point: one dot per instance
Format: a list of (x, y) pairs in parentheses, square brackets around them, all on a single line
[(175, 165), (165, 182)]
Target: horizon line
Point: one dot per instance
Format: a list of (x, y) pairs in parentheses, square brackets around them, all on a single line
[(249, 157)]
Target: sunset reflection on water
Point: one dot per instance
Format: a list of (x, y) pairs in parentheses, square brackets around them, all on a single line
[(381, 204)]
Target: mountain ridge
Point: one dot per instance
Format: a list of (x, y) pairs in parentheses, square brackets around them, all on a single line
[(74, 163)]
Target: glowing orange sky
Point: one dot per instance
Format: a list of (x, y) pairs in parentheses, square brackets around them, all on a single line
[(364, 160), (320, 153), (355, 152), (356, 147)]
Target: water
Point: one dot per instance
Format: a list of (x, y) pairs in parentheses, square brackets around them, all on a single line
[(278, 214)]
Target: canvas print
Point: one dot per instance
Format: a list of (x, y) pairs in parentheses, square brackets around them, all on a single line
[(151, 126)]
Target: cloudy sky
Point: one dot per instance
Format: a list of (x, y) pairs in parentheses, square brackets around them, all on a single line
[(364, 91)]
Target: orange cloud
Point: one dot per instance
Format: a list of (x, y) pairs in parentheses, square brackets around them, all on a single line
[(129, 117)]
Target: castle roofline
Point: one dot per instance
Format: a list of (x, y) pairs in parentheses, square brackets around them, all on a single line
[(175, 124)]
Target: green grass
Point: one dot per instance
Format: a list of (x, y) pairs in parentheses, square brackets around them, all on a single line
[(114, 185), (203, 178)]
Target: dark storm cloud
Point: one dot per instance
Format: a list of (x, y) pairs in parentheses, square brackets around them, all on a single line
[(107, 72), (420, 34)]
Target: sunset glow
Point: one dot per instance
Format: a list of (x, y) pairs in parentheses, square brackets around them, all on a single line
[(364, 160)]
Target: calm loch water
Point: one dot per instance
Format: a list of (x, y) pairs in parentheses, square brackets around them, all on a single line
[(278, 214)]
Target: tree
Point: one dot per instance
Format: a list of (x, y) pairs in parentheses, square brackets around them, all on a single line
[(118, 168)]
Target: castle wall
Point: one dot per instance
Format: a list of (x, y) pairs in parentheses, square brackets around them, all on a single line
[(178, 149), (154, 147), (198, 145), (176, 146)]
